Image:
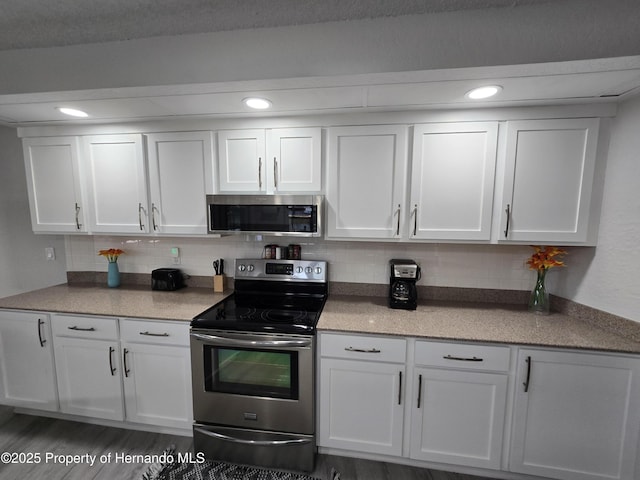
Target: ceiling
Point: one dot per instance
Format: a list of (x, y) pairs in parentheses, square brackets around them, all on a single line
[(28, 24)]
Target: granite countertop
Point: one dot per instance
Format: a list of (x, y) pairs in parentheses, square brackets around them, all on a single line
[(465, 321), (437, 320), (125, 301)]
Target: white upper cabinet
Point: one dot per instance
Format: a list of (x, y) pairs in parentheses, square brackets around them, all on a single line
[(180, 176), (366, 182), (283, 160), (452, 180), (242, 161), (549, 174), (116, 183), (54, 184), (294, 157)]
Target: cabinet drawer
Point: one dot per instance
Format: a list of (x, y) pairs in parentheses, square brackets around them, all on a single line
[(462, 355), (364, 347), (103, 328), (158, 332)]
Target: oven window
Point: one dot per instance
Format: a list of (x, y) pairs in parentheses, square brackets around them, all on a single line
[(245, 371)]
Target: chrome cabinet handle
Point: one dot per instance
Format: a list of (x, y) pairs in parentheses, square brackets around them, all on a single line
[(398, 224), (260, 172), (124, 359), (151, 334), (40, 338), (80, 329), (111, 367), (419, 390), (526, 382), (506, 230), (275, 172), (415, 219), (78, 224), (362, 350), (153, 217), (463, 359), (399, 388), (140, 210)]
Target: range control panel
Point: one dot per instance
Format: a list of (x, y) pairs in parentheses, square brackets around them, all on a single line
[(291, 270)]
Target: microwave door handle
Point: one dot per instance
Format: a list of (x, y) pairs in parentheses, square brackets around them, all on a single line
[(237, 342)]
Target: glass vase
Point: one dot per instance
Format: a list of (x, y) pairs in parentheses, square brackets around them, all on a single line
[(539, 300), (113, 275)]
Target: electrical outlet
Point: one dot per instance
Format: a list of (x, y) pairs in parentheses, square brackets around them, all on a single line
[(50, 254), (175, 255)]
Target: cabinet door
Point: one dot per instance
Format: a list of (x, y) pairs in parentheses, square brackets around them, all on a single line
[(89, 379), (549, 174), (576, 416), (242, 161), (180, 176), (458, 417), (157, 384), (116, 181), (361, 406), (452, 181), (26, 361), (294, 161), (367, 174), (54, 184)]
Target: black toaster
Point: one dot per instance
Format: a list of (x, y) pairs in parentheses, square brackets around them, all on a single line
[(166, 279)]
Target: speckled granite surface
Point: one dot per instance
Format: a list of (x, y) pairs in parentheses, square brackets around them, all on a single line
[(125, 301), (434, 319), (466, 321)]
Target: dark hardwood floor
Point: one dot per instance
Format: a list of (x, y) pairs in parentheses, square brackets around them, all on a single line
[(28, 434)]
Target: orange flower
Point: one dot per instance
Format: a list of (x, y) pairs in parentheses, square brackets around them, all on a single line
[(112, 254), (544, 258)]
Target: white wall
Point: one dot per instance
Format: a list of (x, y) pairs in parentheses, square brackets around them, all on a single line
[(474, 266), (552, 31), (23, 266), (608, 277)]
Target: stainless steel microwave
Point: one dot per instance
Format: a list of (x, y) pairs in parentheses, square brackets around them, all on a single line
[(296, 215)]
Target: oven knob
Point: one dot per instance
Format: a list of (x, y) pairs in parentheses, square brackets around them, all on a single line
[(299, 269), (318, 270), (251, 268), (309, 270), (242, 267)]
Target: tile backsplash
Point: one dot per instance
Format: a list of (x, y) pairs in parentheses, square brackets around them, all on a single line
[(447, 265)]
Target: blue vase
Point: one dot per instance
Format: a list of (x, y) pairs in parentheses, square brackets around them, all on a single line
[(113, 275)]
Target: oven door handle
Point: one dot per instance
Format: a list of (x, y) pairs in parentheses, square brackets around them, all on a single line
[(241, 342), (261, 443)]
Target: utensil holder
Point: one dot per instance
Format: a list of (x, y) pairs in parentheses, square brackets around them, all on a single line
[(218, 283)]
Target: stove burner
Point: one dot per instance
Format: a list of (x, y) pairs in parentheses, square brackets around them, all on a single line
[(283, 316), (246, 313)]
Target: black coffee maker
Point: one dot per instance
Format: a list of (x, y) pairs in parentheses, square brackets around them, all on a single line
[(403, 292)]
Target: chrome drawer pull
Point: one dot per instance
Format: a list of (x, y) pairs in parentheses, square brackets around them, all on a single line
[(149, 334), (79, 329), (362, 350), (463, 359)]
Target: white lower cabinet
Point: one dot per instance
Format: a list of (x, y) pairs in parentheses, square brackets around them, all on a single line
[(459, 411), (87, 357), (576, 416), (27, 376), (131, 370), (157, 373), (362, 393)]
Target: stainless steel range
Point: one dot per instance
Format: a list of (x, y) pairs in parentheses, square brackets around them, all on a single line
[(252, 362)]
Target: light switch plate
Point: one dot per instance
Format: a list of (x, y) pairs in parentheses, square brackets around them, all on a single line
[(50, 254)]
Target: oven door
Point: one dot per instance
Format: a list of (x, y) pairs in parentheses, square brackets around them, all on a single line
[(255, 381)]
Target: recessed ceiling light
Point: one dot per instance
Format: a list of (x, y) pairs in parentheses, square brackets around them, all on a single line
[(257, 103), (72, 112), (483, 92)]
